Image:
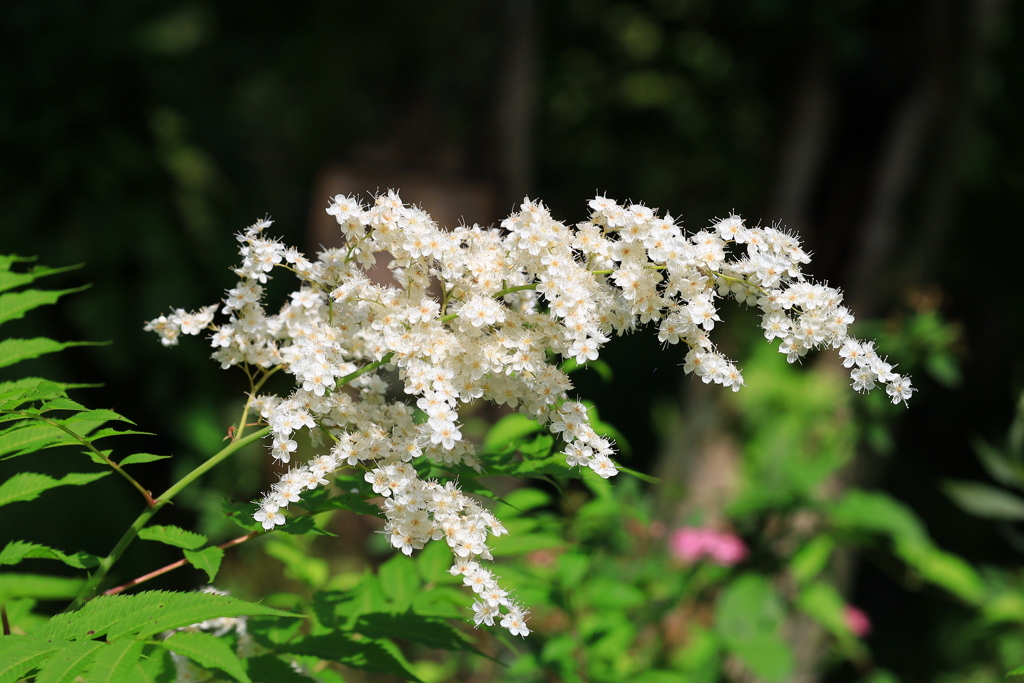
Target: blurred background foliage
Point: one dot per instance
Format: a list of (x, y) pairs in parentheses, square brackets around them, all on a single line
[(137, 137)]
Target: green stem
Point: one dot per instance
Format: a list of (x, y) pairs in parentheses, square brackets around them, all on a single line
[(365, 369), (91, 586)]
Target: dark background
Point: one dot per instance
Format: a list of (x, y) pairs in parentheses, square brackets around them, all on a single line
[(136, 138)]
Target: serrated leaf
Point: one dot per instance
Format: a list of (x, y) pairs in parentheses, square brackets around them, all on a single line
[(303, 526), (10, 279), (430, 632), (241, 514), (271, 669), (140, 458), (208, 651), (36, 388), (14, 305), (65, 666), (21, 654), (97, 415), (16, 350), (39, 586), (207, 559), (60, 403), (16, 551), (364, 655), (145, 614), (29, 485), (985, 501), (114, 661), (172, 535), (110, 431), (346, 501), (32, 437)]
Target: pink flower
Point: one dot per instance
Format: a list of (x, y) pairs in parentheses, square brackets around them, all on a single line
[(691, 544), (857, 620)]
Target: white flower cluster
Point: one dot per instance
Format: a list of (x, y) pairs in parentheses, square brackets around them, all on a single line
[(488, 314)]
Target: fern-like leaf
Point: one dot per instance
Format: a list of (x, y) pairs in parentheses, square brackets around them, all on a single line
[(208, 651), (28, 485), (146, 614), (16, 551), (16, 350), (66, 665), (14, 305)]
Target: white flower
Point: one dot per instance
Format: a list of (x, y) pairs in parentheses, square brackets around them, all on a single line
[(489, 314)]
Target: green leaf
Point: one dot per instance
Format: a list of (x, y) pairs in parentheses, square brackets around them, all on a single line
[(944, 569), (28, 485), (611, 593), (98, 415), (16, 551), (110, 431), (518, 544), (638, 475), (507, 430), (363, 655), (140, 458), (350, 501), (810, 561), (14, 305), (271, 669), (982, 500), (312, 571), (433, 562), (208, 559), (748, 616), (399, 581), (39, 586), (61, 402), (440, 601), (10, 279), (524, 500), (241, 514), (114, 661), (879, 513), (145, 614), (303, 526), (16, 350), (999, 466), (430, 632), (823, 603), (20, 654), (172, 535), (208, 651), (31, 389), (29, 437), (65, 666)]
